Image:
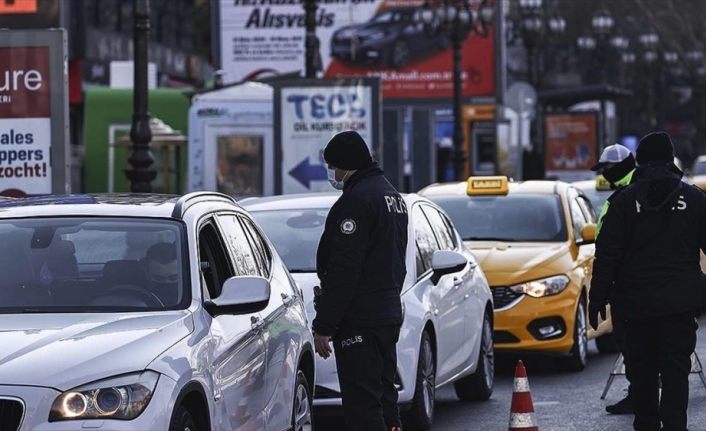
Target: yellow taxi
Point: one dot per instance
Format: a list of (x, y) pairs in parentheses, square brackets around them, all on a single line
[(698, 173), (597, 191), (534, 241)]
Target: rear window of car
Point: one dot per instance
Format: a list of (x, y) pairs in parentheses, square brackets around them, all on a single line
[(295, 235), (519, 217)]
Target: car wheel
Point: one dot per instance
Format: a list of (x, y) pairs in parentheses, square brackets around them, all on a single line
[(479, 385), (182, 420), (399, 54), (421, 415), (302, 418), (579, 353), (607, 344)]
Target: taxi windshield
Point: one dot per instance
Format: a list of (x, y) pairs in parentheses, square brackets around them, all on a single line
[(295, 234), (520, 217), (597, 197)]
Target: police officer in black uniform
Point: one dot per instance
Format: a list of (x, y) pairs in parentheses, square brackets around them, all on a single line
[(361, 266), (647, 266)]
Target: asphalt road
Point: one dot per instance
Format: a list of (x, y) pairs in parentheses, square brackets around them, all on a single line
[(563, 401)]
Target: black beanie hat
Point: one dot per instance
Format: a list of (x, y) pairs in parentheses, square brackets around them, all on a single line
[(655, 147), (347, 150)]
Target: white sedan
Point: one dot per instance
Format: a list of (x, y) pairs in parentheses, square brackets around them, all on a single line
[(447, 334), (147, 312)]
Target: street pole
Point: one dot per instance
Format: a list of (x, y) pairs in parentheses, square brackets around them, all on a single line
[(310, 43), (141, 159), (459, 158)]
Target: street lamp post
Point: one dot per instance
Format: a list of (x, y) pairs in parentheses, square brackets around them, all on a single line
[(310, 42), (458, 19), (535, 25), (141, 159)]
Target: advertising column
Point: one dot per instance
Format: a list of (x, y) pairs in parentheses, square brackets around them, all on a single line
[(33, 123), (308, 113)]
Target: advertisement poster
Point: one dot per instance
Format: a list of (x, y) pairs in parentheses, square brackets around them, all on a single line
[(571, 145), (25, 121), (383, 39), (308, 116)]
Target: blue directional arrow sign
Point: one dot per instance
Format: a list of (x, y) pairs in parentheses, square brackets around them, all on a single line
[(305, 173)]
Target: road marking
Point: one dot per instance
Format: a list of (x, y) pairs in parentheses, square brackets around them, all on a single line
[(546, 403)]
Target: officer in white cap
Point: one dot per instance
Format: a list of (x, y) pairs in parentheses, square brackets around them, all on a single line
[(617, 165)]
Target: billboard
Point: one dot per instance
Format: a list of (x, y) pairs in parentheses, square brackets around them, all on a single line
[(382, 39), (308, 113), (33, 109), (570, 145)]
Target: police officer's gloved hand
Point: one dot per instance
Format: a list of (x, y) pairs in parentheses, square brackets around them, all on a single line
[(594, 309)]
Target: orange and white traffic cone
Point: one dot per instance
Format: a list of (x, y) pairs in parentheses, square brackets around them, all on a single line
[(522, 409)]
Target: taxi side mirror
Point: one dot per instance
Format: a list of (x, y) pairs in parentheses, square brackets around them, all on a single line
[(588, 234)]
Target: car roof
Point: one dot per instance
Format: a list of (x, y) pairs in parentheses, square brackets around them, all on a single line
[(305, 201), (584, 184), (106, 205), (544, 187)]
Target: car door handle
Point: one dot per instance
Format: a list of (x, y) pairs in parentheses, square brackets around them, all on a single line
[(457, 282), (256, 323)]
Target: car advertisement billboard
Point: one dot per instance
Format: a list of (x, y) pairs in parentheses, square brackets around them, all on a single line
[(308, 113), (33, 102), (383, 39), (571, 145)]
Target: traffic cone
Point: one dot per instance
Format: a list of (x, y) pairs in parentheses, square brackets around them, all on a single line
[(522, 409)]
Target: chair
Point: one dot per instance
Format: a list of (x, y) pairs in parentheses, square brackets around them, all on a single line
[(619, 370)]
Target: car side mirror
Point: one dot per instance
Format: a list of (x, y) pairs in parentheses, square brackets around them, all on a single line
[(445, 262), (588, 234), (240, 295)]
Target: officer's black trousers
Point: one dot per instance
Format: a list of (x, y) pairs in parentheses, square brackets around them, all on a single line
[(366, 359), (621, 342), (661, 346)]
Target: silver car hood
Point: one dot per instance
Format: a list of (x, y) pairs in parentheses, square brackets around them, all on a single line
[(63, 351)]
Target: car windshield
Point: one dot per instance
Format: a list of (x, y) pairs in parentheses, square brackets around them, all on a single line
[(82, 265), (295, 234), (390, 16), (520, 217), (699, 168), (597, 198)]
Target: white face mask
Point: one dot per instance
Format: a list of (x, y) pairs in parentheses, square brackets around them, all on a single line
[(338, 185)]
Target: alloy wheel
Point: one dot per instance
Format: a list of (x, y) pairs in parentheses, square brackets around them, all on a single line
[(302, 412)]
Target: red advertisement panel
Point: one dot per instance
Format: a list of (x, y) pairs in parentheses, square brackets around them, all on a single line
[(387, 39), (24, 82), (412, 60), (571, 145)]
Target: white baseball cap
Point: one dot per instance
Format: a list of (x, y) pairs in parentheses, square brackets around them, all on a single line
[(611, 155)]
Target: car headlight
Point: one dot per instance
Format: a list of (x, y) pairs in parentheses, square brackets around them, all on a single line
[(374, 36), (123, 397), (544, 287)]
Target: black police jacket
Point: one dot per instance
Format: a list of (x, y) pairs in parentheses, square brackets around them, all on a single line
[(649, 247), (361, 257)]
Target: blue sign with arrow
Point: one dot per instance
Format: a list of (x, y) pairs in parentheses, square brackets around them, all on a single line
[(305, 173)]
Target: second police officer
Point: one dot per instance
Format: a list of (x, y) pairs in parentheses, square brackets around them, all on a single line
[(647, 266), (361, 266), (617, 165)]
